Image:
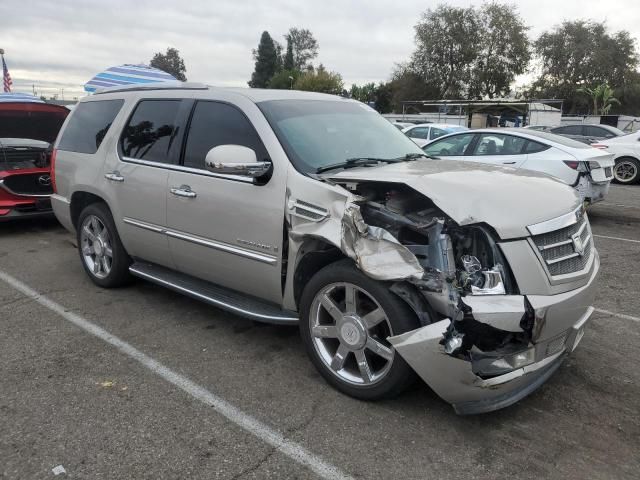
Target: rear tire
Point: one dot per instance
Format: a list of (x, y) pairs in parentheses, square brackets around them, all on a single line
[(345, 319), (626, 171), (102, 254)]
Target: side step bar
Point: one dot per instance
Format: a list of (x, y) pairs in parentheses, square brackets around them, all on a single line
[(224, 298)]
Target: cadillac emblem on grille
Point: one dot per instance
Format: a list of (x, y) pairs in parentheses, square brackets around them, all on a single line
[(578, 244)]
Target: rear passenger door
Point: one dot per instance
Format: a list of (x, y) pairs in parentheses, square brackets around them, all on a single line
[(229, 230), (136, 175), (499, 149)]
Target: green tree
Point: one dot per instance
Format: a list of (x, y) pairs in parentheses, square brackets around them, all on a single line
[(579, 53), (365, 93), (320, 80), (170, 62), (288, 57), (448, 43), (266, 62), (284, 79), (601, 97), (504, 51), (304, 47)]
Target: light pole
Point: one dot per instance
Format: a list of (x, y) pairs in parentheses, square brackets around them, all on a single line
[(291, 84)]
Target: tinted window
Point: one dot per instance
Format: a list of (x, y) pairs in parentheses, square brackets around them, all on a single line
[(419, 132), (216, 124), (150, 130), (591, 131), (535, 147), (88, 125), (454, 145), (437, 132), (568, 130), (497, 144)]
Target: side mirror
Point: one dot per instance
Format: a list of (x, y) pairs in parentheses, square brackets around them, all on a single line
[(235, 160)]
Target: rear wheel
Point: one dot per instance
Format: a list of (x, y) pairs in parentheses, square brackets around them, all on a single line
[(627, 170), (346, 318), (101, 251)]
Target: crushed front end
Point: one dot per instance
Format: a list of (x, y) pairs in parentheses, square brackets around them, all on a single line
[(498, 316)]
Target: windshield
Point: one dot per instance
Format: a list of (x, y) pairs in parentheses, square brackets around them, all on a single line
[(318, 133)]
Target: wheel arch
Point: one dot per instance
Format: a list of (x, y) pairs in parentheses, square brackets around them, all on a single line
[(80, 200)]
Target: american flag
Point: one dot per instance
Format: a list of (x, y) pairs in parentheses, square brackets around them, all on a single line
[(6, 77)]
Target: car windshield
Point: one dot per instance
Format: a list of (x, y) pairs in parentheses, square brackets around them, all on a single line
[(319, 133)]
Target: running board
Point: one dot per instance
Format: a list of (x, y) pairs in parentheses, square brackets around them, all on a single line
[(224, 298)]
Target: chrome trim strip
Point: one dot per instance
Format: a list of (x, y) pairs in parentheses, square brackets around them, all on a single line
[(224, 247), (554, 245), (562, 259), (555, 223), (7, 189), (145, 226), (181, 168), (208, 299), (269, 259)]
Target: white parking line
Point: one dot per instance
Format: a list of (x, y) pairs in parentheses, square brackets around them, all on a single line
[(617, 238), (254, 426), (619, 315)]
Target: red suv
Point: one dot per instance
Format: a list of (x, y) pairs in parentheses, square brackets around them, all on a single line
[(27, 132)]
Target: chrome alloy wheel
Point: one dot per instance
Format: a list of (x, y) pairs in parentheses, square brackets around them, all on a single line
[(349, 330), (625, 170), (95, 244)]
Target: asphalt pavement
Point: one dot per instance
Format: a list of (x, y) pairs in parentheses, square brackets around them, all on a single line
[(140, 382)]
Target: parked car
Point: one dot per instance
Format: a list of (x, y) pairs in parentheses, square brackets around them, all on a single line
[(27, 130), (540, 128), (587, 133), (425, 133), (308, 209), (626, 154), (586, 169), (401, 125)]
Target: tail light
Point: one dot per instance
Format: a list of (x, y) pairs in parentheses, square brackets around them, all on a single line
[(601, 146), (53, 171), (572, 164)]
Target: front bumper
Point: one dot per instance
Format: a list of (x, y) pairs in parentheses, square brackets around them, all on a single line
[(559, 326)]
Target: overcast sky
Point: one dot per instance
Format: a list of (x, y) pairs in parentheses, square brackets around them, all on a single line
[(63, 43)]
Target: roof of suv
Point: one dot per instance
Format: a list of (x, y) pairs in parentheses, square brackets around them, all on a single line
[(254, 94)]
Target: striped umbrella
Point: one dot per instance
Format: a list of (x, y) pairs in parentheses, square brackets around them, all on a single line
[(19, 97), (127, 75)]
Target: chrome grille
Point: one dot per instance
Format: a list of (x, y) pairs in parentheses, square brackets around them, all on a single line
[(566, 250)]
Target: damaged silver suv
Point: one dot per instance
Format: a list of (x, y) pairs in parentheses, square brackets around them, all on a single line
[(300, 208)]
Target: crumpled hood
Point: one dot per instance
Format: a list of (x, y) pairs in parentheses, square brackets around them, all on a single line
[(505, 198)]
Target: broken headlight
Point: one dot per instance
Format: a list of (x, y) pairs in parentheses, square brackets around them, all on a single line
[(476, 280), (490, 366)]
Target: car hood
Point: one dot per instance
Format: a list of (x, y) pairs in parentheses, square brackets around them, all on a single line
[(35, 121), (505, 198)]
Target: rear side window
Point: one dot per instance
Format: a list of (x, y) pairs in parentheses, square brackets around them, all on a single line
[(535, 147), (419, 132), (88, 125), (215, 123), (150, 131), (569, 130)]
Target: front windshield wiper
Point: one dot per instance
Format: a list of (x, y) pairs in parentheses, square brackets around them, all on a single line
[(370, 161)]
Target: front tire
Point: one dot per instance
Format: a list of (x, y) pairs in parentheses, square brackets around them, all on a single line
[(346, 318), (626, 171), (102, 254)]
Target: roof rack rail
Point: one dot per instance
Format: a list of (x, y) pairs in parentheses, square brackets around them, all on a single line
[(136, 87)]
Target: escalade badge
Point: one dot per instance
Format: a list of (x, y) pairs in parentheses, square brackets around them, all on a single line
[(578, 245)]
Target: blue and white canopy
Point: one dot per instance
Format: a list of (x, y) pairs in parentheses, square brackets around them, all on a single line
[(19, 97), (127, 75)]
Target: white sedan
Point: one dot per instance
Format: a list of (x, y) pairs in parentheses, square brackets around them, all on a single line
[(588, 170), (425, 133), (626, 154)]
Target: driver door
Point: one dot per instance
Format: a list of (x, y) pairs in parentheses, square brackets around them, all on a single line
[(226, 229)]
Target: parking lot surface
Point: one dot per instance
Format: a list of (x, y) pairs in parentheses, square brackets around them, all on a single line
[(141, 382)]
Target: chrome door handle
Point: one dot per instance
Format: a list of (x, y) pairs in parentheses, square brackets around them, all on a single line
[(114, 176), (183, 191)]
